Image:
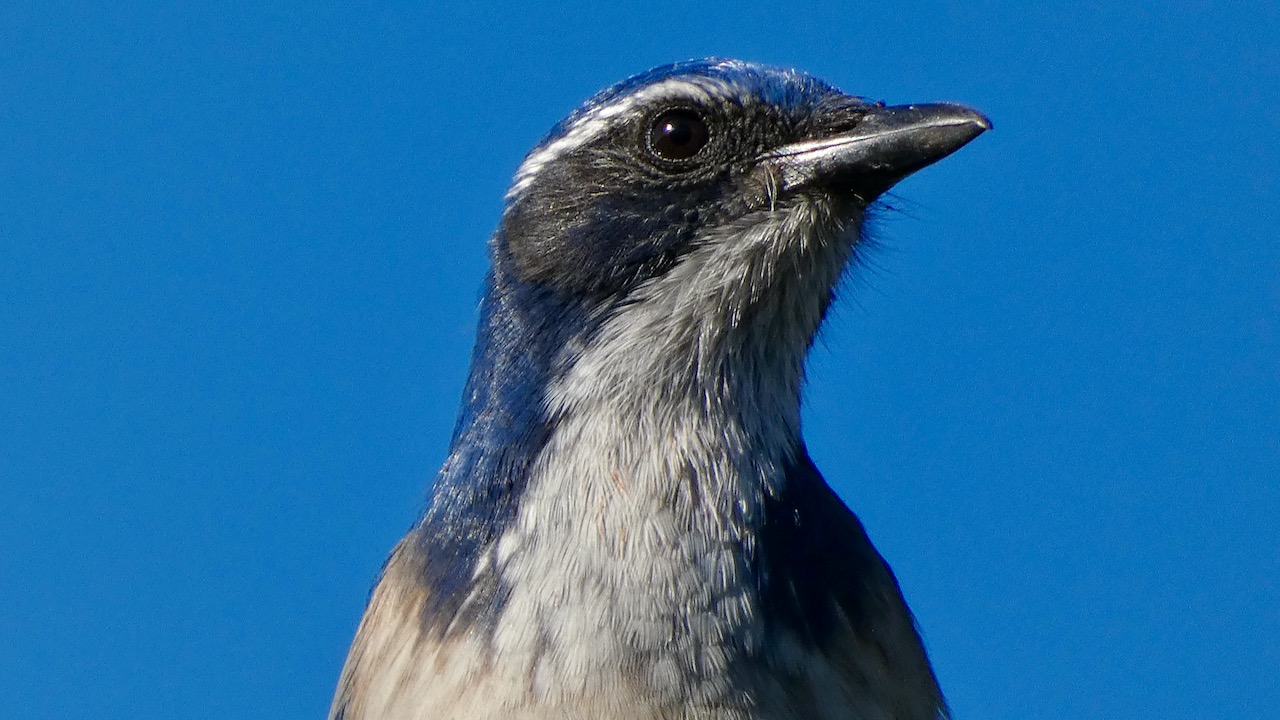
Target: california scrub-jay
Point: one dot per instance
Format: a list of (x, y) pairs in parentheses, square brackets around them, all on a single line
[(628, 524)]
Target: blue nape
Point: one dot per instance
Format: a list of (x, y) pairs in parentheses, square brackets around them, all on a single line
[(501, 428)]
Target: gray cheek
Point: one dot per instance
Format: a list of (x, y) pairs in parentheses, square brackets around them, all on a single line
[(594, 250)]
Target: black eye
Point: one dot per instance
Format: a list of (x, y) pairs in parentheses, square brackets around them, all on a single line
[(678, 134)]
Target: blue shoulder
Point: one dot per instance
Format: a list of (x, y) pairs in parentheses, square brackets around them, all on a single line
[(824, 584), (817, 563)]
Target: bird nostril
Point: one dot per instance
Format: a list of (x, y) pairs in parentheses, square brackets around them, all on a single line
[(843, 123)]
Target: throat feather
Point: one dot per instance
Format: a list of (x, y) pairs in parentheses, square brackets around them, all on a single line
[(635, 544)]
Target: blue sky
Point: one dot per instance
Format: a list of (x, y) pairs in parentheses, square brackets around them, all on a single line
[(240, 250)]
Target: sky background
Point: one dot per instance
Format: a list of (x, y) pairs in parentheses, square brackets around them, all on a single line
[(240, 254)]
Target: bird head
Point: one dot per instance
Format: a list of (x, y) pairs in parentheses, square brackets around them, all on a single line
[(699, 153)]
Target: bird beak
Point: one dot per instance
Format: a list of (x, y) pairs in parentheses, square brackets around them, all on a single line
[(886, 145)]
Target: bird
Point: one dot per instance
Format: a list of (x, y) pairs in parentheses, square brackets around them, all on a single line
[(628, 523)]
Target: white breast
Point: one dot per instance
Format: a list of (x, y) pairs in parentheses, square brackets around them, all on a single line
[(631, 593)]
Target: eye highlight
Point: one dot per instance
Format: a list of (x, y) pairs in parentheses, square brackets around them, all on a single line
[(678, 134)]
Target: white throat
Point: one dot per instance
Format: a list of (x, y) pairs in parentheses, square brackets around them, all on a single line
[(629, 562)]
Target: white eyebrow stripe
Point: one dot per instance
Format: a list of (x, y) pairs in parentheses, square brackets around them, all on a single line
[(597, 120)]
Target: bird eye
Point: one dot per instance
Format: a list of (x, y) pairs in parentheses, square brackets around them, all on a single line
[(678, 134)]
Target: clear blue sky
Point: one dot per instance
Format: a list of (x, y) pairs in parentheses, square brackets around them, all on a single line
[(240, 250)]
